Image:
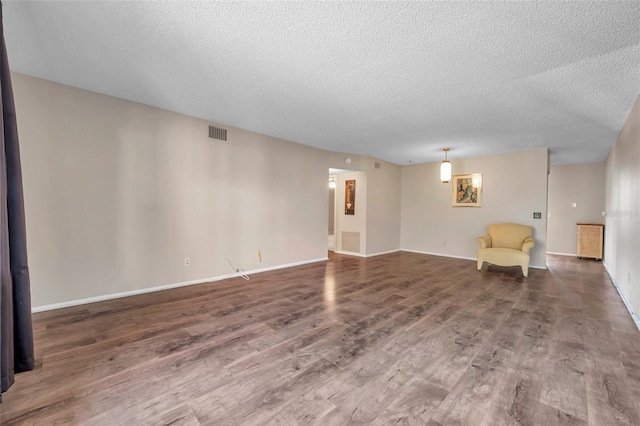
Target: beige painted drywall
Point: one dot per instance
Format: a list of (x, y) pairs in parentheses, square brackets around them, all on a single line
[(383, 207), (358, 221), (514, 186), (332, 209), (622, 225), (582, 184), (117, 194)]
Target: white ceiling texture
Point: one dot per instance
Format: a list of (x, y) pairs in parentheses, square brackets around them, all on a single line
[(394, 80)]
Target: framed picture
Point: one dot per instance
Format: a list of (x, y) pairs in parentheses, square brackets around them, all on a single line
[(467, 190), (350, 197)]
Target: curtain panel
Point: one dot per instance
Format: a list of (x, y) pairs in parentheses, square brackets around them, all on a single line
[(16, 334)]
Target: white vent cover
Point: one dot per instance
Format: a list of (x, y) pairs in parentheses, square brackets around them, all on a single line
[(351, 241), (217, 133)]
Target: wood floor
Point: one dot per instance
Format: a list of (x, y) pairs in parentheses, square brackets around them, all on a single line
[(396, 339)]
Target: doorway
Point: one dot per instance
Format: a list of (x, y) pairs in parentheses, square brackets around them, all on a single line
[(336, 211)]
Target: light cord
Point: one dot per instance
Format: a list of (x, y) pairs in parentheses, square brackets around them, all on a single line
[(235, 271)]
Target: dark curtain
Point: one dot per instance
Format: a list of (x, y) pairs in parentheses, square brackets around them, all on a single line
[(16, 334)]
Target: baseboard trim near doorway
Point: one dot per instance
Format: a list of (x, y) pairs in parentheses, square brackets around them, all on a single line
[(633, 314), (562, 254), (350, 253)]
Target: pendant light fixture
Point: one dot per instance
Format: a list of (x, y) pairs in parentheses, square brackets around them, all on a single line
[(332, 182), (445, 168)]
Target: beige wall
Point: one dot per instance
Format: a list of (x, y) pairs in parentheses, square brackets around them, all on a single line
[(622, 226), (332, 209), (117, 194), (383, 207), (582, 184), (515, 186)]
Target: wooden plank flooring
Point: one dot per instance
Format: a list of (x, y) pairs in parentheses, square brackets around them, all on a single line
[(396, 339)]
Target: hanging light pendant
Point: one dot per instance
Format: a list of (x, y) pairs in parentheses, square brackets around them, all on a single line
[(445, 168), (332, 182)]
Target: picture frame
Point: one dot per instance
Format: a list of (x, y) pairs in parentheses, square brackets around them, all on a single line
[(467, 190), (350, 197)]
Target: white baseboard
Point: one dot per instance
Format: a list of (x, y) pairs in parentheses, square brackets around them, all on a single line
[(475, 259), (634, 316), (441, 255), (350, 253), (165, 287), (286, 265), (383, 252), (544, 268), (562, 254), (223, 277)]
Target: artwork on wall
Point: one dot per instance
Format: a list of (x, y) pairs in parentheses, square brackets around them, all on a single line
[(350, 197), (467, 190)]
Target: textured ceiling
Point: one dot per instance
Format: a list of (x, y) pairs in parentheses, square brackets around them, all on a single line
[(394, 80)]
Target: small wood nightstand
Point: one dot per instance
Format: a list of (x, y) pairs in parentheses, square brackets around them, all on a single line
[(590, 240)]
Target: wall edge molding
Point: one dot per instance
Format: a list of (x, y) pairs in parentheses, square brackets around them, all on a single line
[(633, 314), (383, 253), (136, 292), (562, 254), (350, 253), (441, 255)]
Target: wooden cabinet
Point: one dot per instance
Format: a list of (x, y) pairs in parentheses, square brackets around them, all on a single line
[(590, 240)]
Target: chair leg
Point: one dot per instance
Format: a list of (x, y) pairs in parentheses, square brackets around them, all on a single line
[(525, 271), (480, 264)]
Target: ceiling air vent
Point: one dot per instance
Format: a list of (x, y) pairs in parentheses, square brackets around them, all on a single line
[(377, 165), (217, 133)]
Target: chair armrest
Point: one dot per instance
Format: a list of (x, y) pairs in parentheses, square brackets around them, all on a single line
[(527, 244), (485, 241)]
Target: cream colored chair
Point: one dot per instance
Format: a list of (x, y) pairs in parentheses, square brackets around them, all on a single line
[(506, 244)]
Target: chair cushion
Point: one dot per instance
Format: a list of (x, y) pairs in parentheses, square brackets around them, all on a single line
[(503, 256)]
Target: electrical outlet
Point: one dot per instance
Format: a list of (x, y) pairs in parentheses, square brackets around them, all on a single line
[(259, 253), (187, 261)]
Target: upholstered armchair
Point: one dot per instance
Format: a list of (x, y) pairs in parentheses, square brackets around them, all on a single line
[(506, 244)]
